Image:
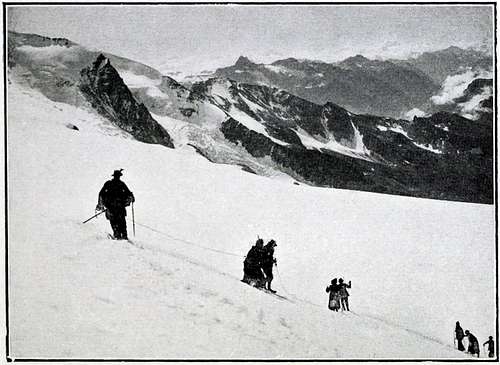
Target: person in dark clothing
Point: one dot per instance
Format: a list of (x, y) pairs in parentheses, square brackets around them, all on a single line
[(334, 298), (459, 335), (344, 295), (473, 344), (268, 261), (491, 347), (252, 272), (114, 197)]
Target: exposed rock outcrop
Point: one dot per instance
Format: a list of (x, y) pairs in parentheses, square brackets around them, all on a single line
[(105, 90)]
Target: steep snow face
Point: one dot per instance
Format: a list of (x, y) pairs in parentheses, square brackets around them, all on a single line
[(221, 92), (355, 149), (417, 266), (253, 124), (54, 68)]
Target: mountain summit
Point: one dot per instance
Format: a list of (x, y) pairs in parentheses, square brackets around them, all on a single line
[(244, 62), (105, 90), (357, 84)]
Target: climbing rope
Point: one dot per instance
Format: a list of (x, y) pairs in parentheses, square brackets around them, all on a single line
[(186, 241), (221, 252)]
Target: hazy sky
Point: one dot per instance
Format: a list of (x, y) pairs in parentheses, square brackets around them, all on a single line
[(203, 36)]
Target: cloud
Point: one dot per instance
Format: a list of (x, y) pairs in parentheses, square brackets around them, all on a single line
[(454, 86), (471, 109)]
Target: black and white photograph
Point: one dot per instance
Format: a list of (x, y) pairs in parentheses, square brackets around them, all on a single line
[(263, 182)]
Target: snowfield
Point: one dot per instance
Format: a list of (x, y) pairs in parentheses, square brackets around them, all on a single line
[(416, 265)]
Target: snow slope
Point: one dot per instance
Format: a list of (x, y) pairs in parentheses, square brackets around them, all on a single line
[(416, 265)]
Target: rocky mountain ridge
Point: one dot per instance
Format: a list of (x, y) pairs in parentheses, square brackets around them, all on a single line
[(364, 86), (450, 61), (267, 130), (443, 156)]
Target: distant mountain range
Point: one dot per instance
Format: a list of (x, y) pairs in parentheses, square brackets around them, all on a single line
[(388, 88), (269, 130), (450, 61)]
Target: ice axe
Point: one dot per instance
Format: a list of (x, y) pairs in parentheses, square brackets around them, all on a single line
[(95, 215)]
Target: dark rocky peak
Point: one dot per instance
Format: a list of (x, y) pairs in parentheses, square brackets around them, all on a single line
[(244, 62), (103, 87), (105, 78), (100, 62)]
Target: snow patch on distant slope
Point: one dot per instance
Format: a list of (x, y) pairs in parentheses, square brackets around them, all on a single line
[(428, 148), (357, 150), (400, 130), (253, 106), (220, 90), (397, 129), (253, 125), (277, 69), (285, 70)]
